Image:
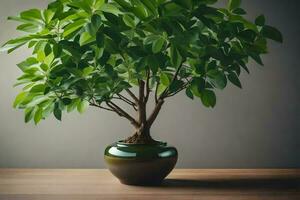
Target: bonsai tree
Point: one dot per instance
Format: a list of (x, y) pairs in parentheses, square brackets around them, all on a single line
[(95, 52)]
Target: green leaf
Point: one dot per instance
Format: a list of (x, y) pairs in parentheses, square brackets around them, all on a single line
[(158, 45), (244, 66), (176, 85), (164, 79), (48, 15), (110, 8), (151, 5), (86, 38), (29, 114), (19, 98), (41, 56), (14, 44), (189, 93), (124, 4), (129, 21), (113, 19), (44, 67), (184, 3), (71, 28), (49, 59), (239, 11), (33, 100), (260, 20), (98, 4), (87, 71), (256, 57), (234, 4), (82, 106), (141, 64), (73, 105), (217, 78), (208, 98), (57, 112), (197, 86), (47, 90), (272, 33), (100, 39), (27, 63), (95, 24), (38, 115), (30, 28), (176, 58), (32, 14), (140, 11), (84, 5), (48, 109), (161, 88), (247, 35), (67, 101), (150, 39), (153, 63), (40, 88), (233, 78), (48, 49)]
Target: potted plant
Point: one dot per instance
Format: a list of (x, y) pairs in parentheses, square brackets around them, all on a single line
[(95, 52)]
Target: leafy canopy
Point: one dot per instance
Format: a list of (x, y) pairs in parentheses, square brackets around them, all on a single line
[(88, 51)]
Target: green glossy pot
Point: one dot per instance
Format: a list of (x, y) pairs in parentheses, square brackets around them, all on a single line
[(140, 164)]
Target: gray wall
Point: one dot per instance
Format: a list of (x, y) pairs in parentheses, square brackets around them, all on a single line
[(251, 128)]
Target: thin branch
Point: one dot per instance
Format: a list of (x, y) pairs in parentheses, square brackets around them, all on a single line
[(126, 100), (142, 106), (156, 90), (163, 95), (98, 106), (174, 93), (176, 73), (132, 96), (147, 86), (141, 91), (122, 113), (180, 89), (155, 113), (114, 109)]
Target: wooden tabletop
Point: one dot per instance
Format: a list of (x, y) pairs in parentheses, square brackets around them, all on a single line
[(182, 184)]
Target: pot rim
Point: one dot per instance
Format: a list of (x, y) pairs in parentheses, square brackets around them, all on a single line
[(159, 143)]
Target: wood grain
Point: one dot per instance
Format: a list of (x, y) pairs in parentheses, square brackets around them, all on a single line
[(182, 184)]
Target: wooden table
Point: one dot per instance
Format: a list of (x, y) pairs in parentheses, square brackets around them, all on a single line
[(182, 184)]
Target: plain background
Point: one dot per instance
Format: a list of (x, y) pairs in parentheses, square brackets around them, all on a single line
[(257, 127)]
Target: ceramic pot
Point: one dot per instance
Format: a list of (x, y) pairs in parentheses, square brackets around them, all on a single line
[(140, 164)]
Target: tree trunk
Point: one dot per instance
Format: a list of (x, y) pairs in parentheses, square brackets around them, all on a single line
[(142, 132), (141, 136)]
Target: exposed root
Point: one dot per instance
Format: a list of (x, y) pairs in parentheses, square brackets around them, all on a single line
[(140, 139)]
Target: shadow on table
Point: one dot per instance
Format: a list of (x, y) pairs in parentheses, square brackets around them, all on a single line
[(234, 184)]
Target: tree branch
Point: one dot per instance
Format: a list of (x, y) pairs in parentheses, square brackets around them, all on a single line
[(156, 90), (147, 87), (174, 93), (162, 96), (98, 106), (180, 89), (122, 113), (141, 90), (155, 112), (126, 100), (142, 103), (132, 96), (113, 108)]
